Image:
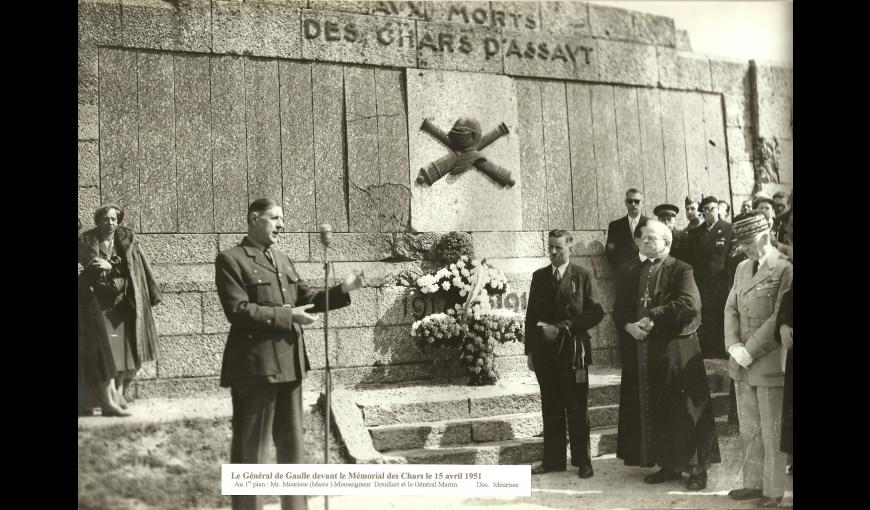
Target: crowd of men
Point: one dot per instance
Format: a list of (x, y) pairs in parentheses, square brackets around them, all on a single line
[(717, 289)]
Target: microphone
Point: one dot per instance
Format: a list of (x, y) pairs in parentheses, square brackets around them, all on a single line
[(325, 234)]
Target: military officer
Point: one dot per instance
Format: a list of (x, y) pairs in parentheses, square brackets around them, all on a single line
[(756, 359), (667, 214)]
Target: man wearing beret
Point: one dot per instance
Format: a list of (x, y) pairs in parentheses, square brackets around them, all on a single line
[(562, 308), (264, 360), (620, 247), (756, 359), (667, 214), (710, 244)]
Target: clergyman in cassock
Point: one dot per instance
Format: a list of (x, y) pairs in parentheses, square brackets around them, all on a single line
[(562, 308), (756, 362), (665, 412)]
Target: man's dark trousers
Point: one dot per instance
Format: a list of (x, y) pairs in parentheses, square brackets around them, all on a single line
[(563, 399), (262, 412)]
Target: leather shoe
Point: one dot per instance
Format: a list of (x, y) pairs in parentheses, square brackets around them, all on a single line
[(740, 494), (585, 472), (542, 469), (697, 482), (662, 475), (766, 502)]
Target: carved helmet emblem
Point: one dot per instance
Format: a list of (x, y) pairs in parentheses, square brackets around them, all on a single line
[(465, 143)]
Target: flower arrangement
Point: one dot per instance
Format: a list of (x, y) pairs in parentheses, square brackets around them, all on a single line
[(469, 324)]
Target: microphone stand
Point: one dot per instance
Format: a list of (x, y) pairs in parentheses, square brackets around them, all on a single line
[(327, 379)]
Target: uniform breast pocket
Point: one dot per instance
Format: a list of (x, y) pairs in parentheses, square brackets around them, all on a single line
[(761, 304), (259, 290)]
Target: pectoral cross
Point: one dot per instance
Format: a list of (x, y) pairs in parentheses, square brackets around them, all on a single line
[(646, 297)]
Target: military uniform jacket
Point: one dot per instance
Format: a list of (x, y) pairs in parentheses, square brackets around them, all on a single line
[(708, 250), (264, 344), (571, 306), (750, 319)]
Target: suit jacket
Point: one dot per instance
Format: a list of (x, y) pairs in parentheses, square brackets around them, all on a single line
[(676, 304), (264, 344), (572, 306), (620, 247), (750, 319), (709, 249)]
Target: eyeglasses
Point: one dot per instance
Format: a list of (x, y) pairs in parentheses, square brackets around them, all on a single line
[(709, 209), (633, 201)]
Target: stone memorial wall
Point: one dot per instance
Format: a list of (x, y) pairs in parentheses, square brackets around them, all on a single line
[(189, 110)]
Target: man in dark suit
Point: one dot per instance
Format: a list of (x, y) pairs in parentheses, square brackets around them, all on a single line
[(710, 245), (665, 412), (264, 360), (561, 309), (620, 247)]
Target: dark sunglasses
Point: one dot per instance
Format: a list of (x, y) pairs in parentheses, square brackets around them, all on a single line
[(632, 201)]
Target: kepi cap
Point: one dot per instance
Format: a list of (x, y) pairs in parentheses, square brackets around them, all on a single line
[(666, 210), (750, 225)]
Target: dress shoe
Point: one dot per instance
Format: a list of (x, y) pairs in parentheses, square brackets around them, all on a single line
[(662, 475), (697, 482), (766, 502), (740, 494), (585, 472), (542, 469)]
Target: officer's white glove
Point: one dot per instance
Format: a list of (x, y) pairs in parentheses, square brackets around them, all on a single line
[(740, 355)]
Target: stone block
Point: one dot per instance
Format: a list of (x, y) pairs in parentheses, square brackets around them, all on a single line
[(524, 15), (354, 247), (682, 70), (356, 7), (363, 310), (737, 110), (603, 417), (362, 148), (178, 388), (179, 248), (156, 163), (381, 345), (294, 245), (88, 122), (88, 202), (88, 72), (628, 140), (191, 356), (263, 129), (471, 200), (229, 155), (608, 336), (652, 29), (394, 307), (683, 42), (386, 374), (587, 243), (213, 318), (729, 76), (602, 267), (601, 357), (585, 263), (315, 346), (717, 156), (738, 148), (99, 23), (148, 371), (508, 244), (89, 164), (417, 246), (380, 274), (605, 293), (519, 266), (158, 25), (473, 13), (179, 314), (627, 63), (583, 176), (506, 366), (394, 195), (652, 147), (696, 144), (192, 75), (257, 29), (413, 412), (184, 277), (532, 165), (455, 47), (297, 149), (528, 53), (609, 185), (340, 37), (611, 22), (507, 428), (742, 179), (557, 155), (509, 349), (565, 18), (772, 80), (775, 117), (785, 161), (330, 196)]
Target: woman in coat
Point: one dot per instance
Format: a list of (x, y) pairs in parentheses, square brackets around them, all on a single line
[(116, 294)]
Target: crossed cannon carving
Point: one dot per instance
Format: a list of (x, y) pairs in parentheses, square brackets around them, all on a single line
[(465, 143)]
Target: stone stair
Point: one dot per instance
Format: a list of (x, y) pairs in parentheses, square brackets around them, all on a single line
[(500, 424)]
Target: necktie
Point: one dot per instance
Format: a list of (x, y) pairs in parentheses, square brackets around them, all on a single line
[(754, 267), (268, 253), (556, 278)]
